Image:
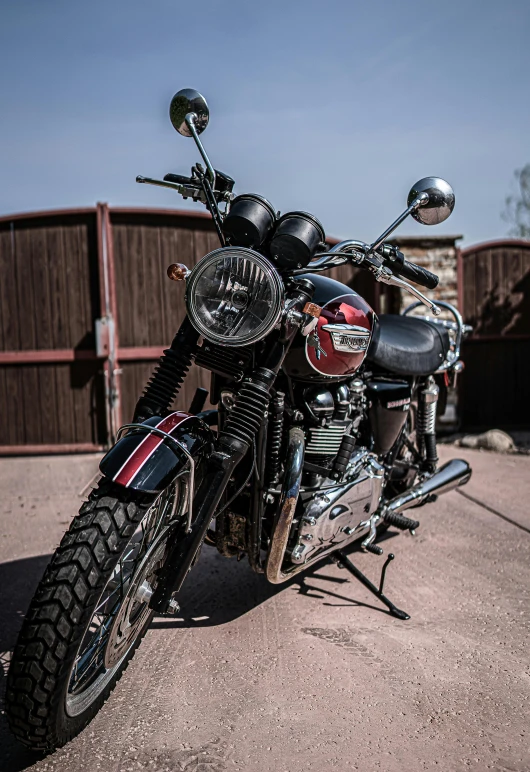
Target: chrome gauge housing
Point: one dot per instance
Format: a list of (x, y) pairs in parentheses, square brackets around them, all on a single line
[(234, 296)]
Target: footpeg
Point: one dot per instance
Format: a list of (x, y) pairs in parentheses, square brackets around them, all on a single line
[(374, 549), (401, 522)]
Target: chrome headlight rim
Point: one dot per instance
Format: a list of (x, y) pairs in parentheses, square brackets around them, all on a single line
[(275, 282)]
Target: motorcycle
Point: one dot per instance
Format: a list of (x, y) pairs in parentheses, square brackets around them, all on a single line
[(322, 436)]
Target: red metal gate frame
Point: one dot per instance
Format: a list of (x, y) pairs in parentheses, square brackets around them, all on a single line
[(107, 324)]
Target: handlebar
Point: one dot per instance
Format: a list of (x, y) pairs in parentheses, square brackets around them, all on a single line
[(357, 252), (402, 267), (419, 275), (384, 263), (186, 186)]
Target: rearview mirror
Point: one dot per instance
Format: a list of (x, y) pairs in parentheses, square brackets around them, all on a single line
[(188, 103), (189, 115), (440, 204)]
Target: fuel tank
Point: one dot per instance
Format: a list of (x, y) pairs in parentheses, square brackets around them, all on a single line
[(344, 330)]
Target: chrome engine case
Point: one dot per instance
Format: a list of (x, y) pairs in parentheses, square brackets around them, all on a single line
[(328, 511)]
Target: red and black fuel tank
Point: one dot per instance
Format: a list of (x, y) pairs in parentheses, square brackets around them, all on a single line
[(344, 329)]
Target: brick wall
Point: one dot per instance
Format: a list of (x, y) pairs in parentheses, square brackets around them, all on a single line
[(439, 255)]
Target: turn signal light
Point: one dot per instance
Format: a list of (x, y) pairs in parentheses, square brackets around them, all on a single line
[(177, 271)]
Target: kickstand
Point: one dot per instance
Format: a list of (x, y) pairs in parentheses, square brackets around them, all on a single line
[(343, 561)]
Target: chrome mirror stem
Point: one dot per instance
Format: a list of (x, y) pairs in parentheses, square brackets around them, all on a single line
[(420, 200), (190, 123)]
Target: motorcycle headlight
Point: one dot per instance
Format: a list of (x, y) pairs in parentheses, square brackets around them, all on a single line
[(234, 296)]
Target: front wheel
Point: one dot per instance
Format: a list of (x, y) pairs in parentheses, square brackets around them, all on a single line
[(89, 613)]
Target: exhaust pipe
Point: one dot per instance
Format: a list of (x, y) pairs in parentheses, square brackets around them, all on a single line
[(451, 475)]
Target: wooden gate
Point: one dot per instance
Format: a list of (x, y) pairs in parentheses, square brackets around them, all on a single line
[(494, 289), (50, 293), (68, 373)]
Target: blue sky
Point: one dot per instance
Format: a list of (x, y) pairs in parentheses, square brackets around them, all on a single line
[(332, 107)]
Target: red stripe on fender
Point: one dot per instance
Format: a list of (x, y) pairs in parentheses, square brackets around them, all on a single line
[(146, 449)]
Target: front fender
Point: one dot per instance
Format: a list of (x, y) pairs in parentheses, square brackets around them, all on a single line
[(146, 461)]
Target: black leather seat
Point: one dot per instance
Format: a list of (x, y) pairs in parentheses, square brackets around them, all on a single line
[(408, 346)]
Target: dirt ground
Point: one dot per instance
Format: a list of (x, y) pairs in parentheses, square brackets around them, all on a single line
[(314, 674)]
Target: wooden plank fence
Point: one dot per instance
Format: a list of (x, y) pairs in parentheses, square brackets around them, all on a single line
[(494, 290), (85, 311)]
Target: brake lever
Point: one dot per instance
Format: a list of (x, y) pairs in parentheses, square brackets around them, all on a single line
[(385, 276), (186, 191)]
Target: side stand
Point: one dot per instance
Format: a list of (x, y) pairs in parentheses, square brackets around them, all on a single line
[(344, 562)]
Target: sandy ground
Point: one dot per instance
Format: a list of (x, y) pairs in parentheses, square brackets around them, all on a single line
[(314, 674)]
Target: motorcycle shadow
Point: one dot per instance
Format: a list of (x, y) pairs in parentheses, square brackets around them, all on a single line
[(221, 590), (218, 591), (18, 581)]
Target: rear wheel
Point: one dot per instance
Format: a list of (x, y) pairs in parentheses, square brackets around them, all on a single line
[(89, 613)]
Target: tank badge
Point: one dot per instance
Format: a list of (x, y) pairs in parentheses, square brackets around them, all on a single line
[(348, 337), (404, 404)]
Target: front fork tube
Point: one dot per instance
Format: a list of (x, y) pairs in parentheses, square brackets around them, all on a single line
[(233, 443), (175, 569), (258, 493)]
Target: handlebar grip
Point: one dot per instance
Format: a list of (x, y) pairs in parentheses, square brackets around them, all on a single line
[(179, 179), (417, 274)]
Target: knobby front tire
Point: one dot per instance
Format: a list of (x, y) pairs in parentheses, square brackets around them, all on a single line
[(61, 614)]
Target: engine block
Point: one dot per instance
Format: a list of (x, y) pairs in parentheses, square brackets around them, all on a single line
[(329, 511)]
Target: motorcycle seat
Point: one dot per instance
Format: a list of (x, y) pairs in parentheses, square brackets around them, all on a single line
[(408, 346)]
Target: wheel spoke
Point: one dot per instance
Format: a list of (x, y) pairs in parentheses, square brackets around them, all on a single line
[(93, 650), (109, 596)]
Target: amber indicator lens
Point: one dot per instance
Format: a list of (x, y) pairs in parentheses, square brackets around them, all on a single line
[(311, 309), (177, 271)]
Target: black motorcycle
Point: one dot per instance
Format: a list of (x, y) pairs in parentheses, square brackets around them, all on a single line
[(323, 435)]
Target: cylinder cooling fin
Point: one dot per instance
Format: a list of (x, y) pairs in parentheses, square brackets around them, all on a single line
[(276, 423), (325, 440)]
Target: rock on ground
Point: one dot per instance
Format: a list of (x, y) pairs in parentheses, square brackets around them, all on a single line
[(494, 439)]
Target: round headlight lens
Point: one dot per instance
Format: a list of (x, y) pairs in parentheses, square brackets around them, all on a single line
[(234, 296)]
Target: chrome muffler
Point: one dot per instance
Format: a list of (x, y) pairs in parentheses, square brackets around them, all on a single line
[(451, 475)]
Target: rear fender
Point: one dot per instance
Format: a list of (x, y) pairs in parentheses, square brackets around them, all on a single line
[(151, 455)]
